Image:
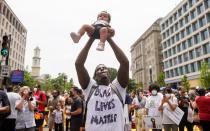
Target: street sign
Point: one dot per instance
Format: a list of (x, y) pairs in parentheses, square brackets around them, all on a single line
[(17, 76), (5, 71)]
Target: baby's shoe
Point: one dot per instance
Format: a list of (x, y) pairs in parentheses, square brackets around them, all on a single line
[(100, 46), (75, 37)]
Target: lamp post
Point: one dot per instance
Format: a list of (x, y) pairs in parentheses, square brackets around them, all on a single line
[(64, 80), (150, 73)]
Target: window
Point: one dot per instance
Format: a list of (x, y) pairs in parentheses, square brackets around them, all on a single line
[(174, 50), (206, 48), (164, 35), (175, 61), (165, 54), (169, 51), (177, 37), (176, 73), (190, 42), (167, 33), (172, 29), (184, 45), (200, 8), (172, 73), (193, 14), (192, 66), (198, 52), (188, 30), (187, 19), (166, 23), (182, 34), (208, 17), (199, 65), (170, 62), (204, 35), (185, 7), (180, 12), (176, 27), (186, 69), (175, 16), (172, 40), (202, 21), (191, 54), (181, 23), (181, 70), (197, 38), (185, 57), (168, 42), (207, 3), (163, 26), (195, 26), (178, 47), (180, 59), (170, 20)]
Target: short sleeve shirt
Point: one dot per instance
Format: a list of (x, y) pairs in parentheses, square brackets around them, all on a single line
[(4, 101), (104, 109)]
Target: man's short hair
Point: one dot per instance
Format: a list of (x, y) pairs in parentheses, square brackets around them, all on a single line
[(76, 89)]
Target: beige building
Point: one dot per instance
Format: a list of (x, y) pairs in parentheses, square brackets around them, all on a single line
[(186, 40), (146, 56), (11, 25), (36, 63)]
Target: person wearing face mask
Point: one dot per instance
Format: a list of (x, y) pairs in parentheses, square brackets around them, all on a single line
[(153, 102), (169, 102), (138, 104), (53, 102)]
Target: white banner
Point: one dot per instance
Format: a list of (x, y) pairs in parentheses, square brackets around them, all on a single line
[(175, 115), (152, 122)]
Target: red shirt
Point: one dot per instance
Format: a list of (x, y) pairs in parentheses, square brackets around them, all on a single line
[(40, 96), (203, 103)]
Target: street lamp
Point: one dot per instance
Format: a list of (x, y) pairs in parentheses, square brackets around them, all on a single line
[(150, 73), (64, 80)]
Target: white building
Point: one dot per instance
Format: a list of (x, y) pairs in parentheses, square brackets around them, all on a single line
[(36, 63), (186, 40)]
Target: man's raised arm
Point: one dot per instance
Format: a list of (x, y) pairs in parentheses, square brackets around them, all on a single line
[(82, 73), (123, 72)]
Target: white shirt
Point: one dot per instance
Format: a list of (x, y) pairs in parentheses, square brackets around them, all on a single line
[(13, 97), (153, 103), (58, 116), (101, 22), (104, 109), (166, 119), (25, 117)]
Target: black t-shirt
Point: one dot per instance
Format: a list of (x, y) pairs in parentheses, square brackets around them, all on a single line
[(183, 105), (4, 101), (128, 100), (77, 103)]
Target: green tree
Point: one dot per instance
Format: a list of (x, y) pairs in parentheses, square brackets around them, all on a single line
[(132, 85), (185, 83), (112, 73), (161, 79), (28, 80), (205, 75)]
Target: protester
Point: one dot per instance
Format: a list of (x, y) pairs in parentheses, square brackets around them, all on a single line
[(153, 102), (41, 103), (59, 118), (52, 103), (169, 102), (139, 105), (127, 114), (100, 117), (76, 110), (203, 104), (25, 117), (184, 104), (10, 120), (4, 109), (68, 104)]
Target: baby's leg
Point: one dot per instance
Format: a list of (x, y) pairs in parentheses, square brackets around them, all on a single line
[(85, 28), (103, 37)]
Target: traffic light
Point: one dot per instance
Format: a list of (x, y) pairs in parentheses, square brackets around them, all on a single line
[(4, 49)]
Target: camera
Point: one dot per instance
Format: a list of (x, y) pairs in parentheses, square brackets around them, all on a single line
[(30, 93)]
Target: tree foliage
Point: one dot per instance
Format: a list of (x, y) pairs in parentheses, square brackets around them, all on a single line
[(28, 80), (112, 73), (205, 75), (132, 85), (161, 79), (185, 83)]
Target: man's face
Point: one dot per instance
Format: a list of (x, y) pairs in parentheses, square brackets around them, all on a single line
[(55, 93), (101, 72)]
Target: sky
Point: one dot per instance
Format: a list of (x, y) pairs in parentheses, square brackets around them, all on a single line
[(49, 23)]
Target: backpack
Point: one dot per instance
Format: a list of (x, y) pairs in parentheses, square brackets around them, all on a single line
[(93, 88)]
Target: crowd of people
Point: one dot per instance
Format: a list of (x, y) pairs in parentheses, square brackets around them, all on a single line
[(155, 102)]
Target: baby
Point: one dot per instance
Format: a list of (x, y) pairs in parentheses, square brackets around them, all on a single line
[(98, 30)]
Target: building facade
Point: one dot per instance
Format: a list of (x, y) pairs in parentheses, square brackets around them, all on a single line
[(36, 63), (146, 58), (11, 25), (185, 35)]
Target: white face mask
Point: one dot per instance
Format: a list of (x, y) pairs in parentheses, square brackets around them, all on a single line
[(167, 95), (154, 92), (35, 89)]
